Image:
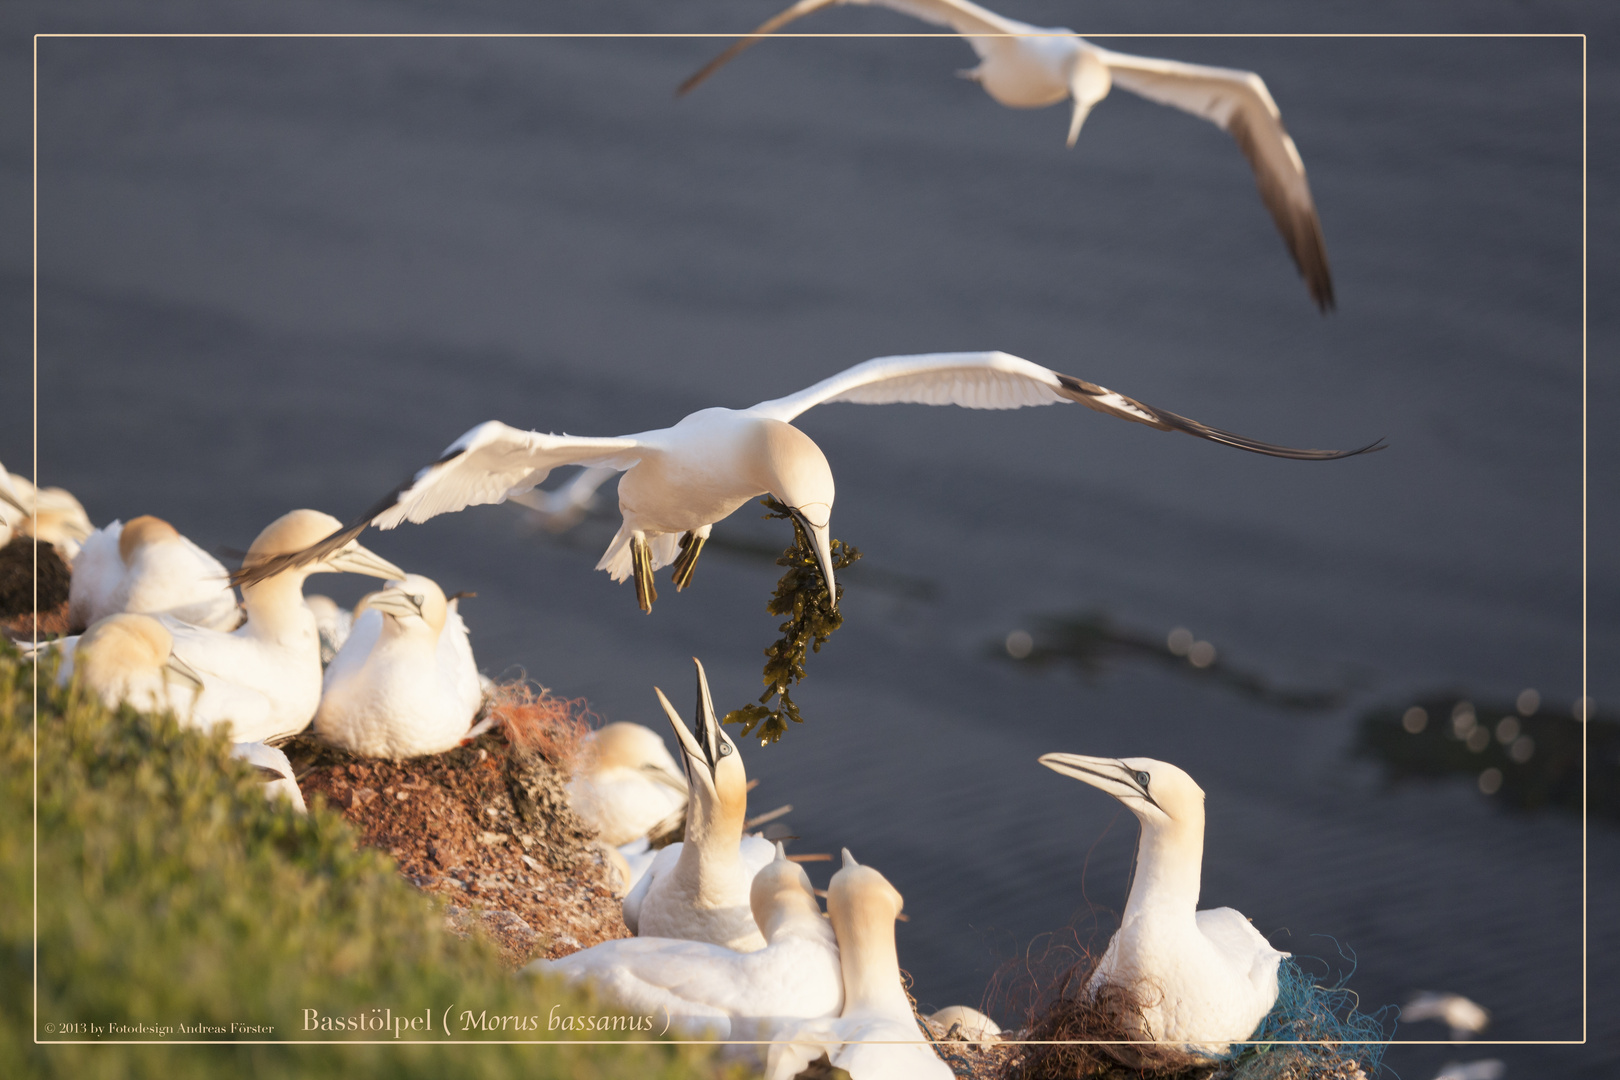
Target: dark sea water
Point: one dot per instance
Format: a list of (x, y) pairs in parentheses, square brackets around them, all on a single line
[(284, 272)]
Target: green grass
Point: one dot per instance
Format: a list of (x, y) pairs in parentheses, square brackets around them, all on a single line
[(170, 891)]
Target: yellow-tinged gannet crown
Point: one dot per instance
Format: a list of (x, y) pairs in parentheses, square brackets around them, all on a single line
[(138, 532), (292, 531)]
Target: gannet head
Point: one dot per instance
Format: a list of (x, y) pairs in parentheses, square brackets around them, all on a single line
[(781, 888), (794, 469), (631, 746), (715, 776), (1089, 82), (863, 907), (120, 649), (412, 605), (1155, 791), (299, 529), (142, 532)]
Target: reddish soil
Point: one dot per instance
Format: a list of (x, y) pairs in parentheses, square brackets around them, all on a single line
[(487, 827), (52, 623)]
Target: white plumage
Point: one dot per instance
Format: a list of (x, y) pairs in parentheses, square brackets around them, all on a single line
[(732, 995), (698, 889), (875, 1036), (679, 481), (272, 764), (261, 680), (1030, 67), (1206, 978), (626, 782), (147, 568), (405, 682)]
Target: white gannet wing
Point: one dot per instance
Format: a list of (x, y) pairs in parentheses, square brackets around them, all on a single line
[(1245, 948), (1238, 103), (962, 16), (457, 667), (486, 465), (998, 380), (97, 571), (662, 863)]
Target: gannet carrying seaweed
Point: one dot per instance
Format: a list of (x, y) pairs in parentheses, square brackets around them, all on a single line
[(147, 568), (698, 889), (405, 682), (732, 995), (1030, 67), (1205, 979), (876, 1036), (626, 782), (679, 481)]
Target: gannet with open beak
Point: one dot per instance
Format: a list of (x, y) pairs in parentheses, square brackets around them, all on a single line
[(146, 567), (679, 481), (876, 1036), (404, 683), (697, 889), (1205, 978), (730, 994), (1030, 67), (626, 782)]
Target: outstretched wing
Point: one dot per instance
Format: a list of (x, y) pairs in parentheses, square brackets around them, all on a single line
[(962, 16), (486, 465), (998, 380), (1238, 103)]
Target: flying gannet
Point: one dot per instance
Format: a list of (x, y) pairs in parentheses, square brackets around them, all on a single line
[(1205, 978), (626, 783), (146, 567), (1030, 67), (697, 889), (730, 994), (405, 682), (679, 481), (876, 1036)]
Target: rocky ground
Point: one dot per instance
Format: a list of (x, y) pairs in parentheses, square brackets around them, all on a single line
[(485, 826)]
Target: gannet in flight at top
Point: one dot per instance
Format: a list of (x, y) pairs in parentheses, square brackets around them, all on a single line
[(626, 782), (698, 889), (876, 1036), (405, 682), (147, 568), (1029, 67), (1206, 978), (678, 481), (734, 995)]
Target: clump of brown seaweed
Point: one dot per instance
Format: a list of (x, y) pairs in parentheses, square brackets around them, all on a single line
[(812, 614)]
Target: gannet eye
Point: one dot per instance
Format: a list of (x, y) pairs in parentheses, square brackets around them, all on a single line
[(725, 748), (1143, 778), (417, 600)]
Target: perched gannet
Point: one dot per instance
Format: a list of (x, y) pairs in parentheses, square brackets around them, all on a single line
[(264, 678), (734, 995), (698, 889), (146, 567), (273, 765), (1206, 978), (131, 658), (965, 1022), (1028, 67), (876, 1036), (626, 782), (332, 623), (1465, 1018), (404, 683), (679, 481)]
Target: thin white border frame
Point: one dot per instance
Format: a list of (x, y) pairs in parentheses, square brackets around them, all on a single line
[(1585, 697)]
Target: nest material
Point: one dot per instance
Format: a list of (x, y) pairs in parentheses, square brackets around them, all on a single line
[(1078, 1029), (801, 595), (17, 578)]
